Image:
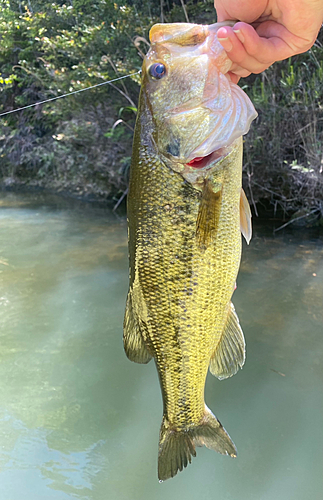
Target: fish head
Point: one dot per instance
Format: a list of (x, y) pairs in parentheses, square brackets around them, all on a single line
[(196, 110)]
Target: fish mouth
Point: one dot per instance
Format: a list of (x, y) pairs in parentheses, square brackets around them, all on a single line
[(204, 161)]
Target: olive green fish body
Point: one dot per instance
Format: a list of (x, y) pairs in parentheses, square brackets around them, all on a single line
[(184, 248)]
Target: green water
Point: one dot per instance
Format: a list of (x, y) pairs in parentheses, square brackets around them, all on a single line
[(80, 421)]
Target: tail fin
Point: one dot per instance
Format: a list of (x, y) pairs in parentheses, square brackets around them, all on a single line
[(176, 448)]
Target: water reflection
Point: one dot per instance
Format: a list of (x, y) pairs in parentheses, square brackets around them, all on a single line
[(79, 421)]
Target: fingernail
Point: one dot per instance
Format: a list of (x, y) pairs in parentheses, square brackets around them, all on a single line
[(239, 35), (227, 45), (223, 32)]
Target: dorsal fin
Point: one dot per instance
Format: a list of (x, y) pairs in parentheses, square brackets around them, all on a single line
[(230, 352), (245, 217)]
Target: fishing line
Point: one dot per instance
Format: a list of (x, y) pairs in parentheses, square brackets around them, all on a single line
[(69, 93)]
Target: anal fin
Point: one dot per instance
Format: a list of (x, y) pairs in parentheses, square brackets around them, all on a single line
[(133, 342), (229, 355)]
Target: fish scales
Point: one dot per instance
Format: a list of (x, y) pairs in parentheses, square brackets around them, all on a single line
[(184, 250)]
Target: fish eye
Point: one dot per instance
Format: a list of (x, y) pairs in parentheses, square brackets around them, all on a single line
[(157, 70)]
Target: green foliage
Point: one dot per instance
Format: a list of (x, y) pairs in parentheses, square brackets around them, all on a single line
[(52, 48), (284, 148), (59, 48)]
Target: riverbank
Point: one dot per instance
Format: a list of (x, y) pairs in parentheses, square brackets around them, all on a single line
[(80, 146)]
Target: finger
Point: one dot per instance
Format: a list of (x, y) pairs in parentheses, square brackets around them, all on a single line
[(246, 10), (235, 78), (237, 52), (232, 45), (240, 72), (270, 41), (253, 45), (255, 68)]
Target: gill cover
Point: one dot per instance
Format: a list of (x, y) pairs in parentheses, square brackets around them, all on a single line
[(195, 106)]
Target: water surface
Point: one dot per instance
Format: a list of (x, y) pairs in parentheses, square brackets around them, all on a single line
[(80, 421)]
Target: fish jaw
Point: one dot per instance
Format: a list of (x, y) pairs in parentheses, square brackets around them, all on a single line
[(196, 108)]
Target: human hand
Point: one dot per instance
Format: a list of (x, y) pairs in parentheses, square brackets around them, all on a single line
[(267, 31)]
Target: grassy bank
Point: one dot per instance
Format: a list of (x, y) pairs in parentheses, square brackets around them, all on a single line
[(82, 144), (284, 149)]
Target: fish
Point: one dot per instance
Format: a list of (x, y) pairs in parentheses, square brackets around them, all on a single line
[(186, 212)]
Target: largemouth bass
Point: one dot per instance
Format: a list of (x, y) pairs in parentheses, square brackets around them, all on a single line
[(186, 211)]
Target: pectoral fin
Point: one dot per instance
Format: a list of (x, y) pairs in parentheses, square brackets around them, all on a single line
[(245, 217), (208, 215), (133, 342), (230, 352)]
